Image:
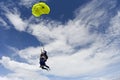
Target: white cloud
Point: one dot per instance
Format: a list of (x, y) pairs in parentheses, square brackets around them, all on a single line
[(28, 3), (31, 54), (95, 12), (26, 75), (4, 78), (82, 62), (21, 71), (2, 22), (62, 40), (114, 29), (17, 21), (13, 65)]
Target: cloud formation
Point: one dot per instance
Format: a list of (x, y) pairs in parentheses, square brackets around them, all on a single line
[(28, 3), (15, 19), (2, 22), (79, 47)]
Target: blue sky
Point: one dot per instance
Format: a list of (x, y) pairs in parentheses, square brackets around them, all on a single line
[(82, 38)]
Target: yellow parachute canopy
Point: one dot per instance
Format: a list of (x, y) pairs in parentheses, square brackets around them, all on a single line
[(40, 8)]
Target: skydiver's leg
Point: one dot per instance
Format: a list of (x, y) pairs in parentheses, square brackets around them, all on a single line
[(43, 65), (44, 68), (47, 66)]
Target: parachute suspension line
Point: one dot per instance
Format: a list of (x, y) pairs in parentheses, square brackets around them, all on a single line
[(42, 49)]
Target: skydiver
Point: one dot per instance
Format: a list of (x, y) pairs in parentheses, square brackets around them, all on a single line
[(43, 59)]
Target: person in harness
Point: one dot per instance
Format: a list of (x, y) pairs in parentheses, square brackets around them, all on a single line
[(43, 59)]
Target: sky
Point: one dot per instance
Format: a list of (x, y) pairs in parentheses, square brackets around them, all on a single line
[(82, 38)]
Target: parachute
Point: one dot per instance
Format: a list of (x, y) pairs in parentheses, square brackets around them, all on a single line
[(40, 8)]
